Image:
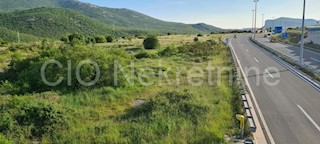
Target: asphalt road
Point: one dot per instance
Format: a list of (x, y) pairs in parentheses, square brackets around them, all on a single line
[(311, 58), (292, 108)]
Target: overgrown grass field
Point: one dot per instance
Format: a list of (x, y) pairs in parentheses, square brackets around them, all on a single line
[(164, 112)]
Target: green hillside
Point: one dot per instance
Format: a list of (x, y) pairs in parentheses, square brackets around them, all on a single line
[(205, 28), (54, 22), (12, 5), (130, 20), (10, 35)]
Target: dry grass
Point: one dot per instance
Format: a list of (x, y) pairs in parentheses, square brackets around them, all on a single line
[(165, 41)]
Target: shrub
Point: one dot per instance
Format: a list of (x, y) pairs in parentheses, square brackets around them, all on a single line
[(100, 39), (212, 42), (151, 42), (45, 119), (25, 73), (145, 54), (170, 50), (45, 44), (110, 39), (25, 117), (3, 42), (90, 40), (74, 39), (7, 88), (142, 54), (3, 140), (200, 35), (196, 39), (199, 48)]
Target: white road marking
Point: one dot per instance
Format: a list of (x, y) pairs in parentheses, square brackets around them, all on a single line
[(247, 50), (315, 60), (256, 59), (309, 117), (269, 73)]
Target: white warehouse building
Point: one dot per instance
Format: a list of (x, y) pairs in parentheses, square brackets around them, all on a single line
[(314, 34)]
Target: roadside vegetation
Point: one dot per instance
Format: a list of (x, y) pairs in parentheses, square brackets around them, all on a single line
[(168, 111)]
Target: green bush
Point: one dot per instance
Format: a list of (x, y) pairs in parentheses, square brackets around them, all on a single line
[(151, 42), (170, 50), (110, 39), (26, 117), (100, 39), (3, 42), (90, 40), (212, 42), (74, 39), (200, 35), (196, 39), (4, 140), (24, 74), (145, 54), (200, 48)]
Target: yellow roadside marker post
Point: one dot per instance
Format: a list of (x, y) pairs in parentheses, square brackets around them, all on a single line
[(241, 118)]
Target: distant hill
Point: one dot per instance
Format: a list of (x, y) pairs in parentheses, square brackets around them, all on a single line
[(289, 22), (130, 20), (206, 28), (54, 22)]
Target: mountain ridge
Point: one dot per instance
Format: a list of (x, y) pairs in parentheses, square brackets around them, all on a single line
[(54, 23), (287, 22), (120, 17)]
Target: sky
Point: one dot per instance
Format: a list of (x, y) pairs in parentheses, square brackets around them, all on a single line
[(220, 13)]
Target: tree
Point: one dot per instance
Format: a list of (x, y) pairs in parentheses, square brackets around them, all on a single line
[(74, 39), (151, 42)]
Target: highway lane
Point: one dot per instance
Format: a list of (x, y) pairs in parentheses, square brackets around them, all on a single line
[(311, 58), (292, 108)]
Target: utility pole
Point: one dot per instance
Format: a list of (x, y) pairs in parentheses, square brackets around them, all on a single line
[(262, 23), (255, 20), (302, 33), (253, 11)]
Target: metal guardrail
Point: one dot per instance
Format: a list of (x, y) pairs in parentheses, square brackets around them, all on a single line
[(306, 47), (297, 72), (243, 91), (284, 56)]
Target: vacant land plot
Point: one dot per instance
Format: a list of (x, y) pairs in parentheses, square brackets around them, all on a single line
[(170, 107)]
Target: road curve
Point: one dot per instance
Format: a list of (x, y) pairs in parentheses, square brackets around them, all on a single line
[(291, 108)]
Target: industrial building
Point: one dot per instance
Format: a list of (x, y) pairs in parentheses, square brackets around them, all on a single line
[(314, 34)]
